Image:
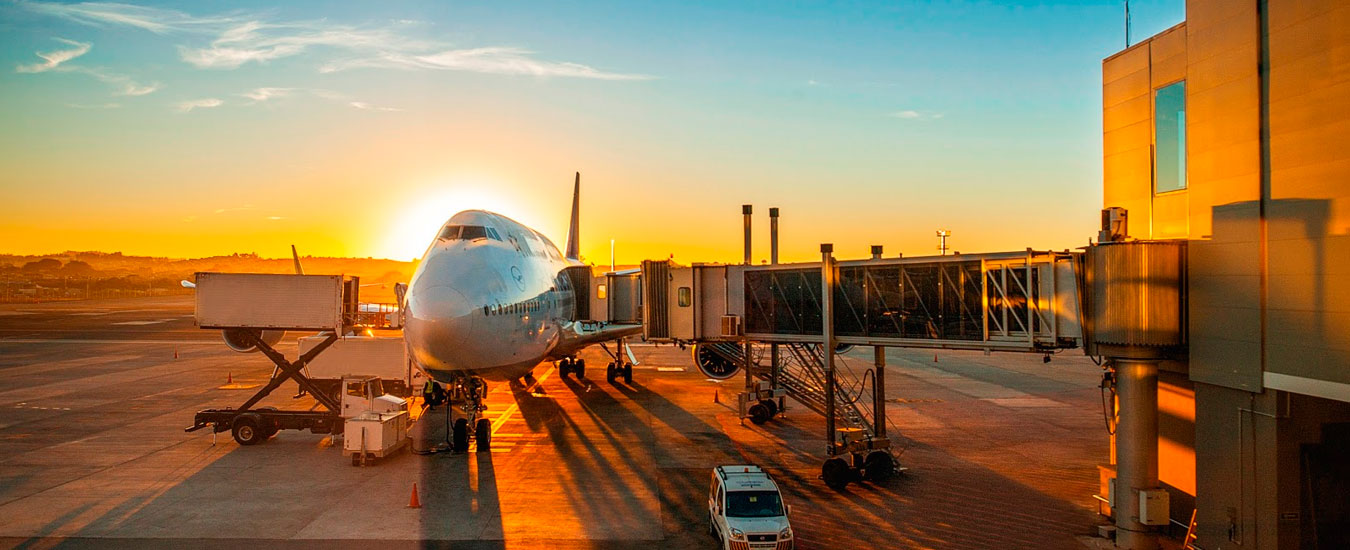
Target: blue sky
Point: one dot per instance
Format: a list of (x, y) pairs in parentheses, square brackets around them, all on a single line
[(181, 128)]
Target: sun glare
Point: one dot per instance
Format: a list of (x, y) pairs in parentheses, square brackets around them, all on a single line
[(415, 224)]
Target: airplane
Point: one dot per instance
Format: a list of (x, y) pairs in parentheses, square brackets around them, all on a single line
[(492, 299)]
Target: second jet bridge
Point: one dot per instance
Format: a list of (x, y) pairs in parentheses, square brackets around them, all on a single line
[(1016, 301)]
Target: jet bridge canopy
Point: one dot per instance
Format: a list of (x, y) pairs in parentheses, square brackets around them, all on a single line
[(1021, 301)]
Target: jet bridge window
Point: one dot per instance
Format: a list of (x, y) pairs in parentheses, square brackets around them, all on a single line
[(685, 296)]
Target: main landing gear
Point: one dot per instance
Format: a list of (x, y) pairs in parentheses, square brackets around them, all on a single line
[(618, 368), (572, 365), (471, 390)]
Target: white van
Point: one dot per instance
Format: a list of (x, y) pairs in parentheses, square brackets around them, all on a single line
[(746, 511)]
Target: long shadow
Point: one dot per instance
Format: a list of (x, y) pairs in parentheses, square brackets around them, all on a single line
[(595, 487), (461, 503)]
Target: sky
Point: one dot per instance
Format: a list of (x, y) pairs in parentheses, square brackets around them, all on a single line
[(188, 129)]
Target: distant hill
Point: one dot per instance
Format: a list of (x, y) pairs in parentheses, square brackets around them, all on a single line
[(77, 275)]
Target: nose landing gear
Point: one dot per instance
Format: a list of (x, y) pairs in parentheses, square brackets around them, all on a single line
[(472, 390)]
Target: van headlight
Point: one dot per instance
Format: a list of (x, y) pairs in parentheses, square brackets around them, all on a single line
[(786, 533), (737, 534)]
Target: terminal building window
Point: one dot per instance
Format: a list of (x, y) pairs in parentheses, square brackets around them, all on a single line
[(1169, 126)]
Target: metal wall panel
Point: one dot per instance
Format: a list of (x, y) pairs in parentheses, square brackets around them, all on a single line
[(272, 301)]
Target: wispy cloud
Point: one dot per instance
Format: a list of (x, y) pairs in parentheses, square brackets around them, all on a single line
[(368, 107), (239, 38), (124, 84), (259, 95), (54, 59), (910, 114), (100, 14), (493, 60), (234, 209), (93, 106), (206, 103)]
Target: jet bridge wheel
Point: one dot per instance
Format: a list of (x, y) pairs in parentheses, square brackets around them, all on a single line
[(482, 435), (837, 473), (759, 414), (247, 429), (459, 441), (878, 466)]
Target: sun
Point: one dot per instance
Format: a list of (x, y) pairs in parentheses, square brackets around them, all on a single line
[(414, 224)]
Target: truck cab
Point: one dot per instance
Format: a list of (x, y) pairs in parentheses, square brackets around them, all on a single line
[(746, 511), (366, 393)]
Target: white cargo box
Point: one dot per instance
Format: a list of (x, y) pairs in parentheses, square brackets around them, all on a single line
[(269, 301), (375, 433), (382, 356)]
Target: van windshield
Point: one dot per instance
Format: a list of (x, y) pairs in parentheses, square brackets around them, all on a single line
[(754, 504)]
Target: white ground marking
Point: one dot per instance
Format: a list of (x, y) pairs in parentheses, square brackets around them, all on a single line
[(506, 415)]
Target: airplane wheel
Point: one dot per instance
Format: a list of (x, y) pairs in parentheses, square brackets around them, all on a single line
[(459, 440), (769, 404), (610, 373), (628, 373), (878, 466), (836, 473), (563, 367), (579, 366), (483, 435), (759, 414)]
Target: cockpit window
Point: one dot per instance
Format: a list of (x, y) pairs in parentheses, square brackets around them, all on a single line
[(463, 232)]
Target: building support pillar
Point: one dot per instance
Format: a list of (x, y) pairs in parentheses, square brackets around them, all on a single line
[(1136, 449)]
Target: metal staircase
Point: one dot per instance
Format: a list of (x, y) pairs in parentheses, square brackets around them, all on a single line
[(801, 372)]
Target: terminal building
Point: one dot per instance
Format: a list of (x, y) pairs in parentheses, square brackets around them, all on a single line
[(1231, 131)]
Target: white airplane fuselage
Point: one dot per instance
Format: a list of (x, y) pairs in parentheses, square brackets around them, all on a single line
[(491, 299)]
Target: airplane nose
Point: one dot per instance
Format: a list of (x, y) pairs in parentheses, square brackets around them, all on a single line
[(439, 320)]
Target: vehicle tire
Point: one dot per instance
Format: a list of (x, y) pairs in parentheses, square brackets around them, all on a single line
[(246, 429), (759, 414), (836, 473), (771, 405), (356, 459), (482, 435), (459, 440), (628, 373), (271, 427), (610, 374), (878, 466), (579, 366), (563, 367)]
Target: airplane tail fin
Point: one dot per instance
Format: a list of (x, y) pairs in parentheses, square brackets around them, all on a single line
[(296, 257), (573, 245)]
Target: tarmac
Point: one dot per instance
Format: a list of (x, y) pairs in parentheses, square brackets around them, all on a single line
[(1001, 450)]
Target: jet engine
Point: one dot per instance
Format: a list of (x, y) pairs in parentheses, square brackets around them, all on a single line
[(842, 349), (237, 340), (718, 360)]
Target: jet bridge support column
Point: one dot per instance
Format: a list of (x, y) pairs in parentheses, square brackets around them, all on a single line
[(828, 343), (1137, 450), (774, 361)]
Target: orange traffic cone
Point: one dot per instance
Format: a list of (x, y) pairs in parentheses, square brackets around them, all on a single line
[(229, 378), (717, 398), (414, 502), (935, 358), (175, 353)]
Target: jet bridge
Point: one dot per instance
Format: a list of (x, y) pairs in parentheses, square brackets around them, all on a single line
[(783, 324), (1015, 301)]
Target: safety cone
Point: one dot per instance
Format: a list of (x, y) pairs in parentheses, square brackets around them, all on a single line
[(175, 353), (935, 358), (229, 378), (717, 397), (414, 502)]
